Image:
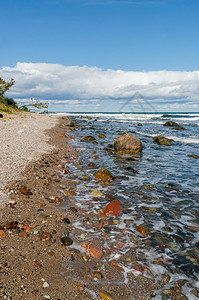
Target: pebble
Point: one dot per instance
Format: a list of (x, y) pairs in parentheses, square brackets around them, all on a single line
[(106, 296), (46, 284), (47, 297), (66, 241)]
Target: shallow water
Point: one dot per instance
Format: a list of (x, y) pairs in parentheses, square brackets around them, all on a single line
[(158, 189)]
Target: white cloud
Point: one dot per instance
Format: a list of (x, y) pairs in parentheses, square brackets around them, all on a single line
[(63, 83)]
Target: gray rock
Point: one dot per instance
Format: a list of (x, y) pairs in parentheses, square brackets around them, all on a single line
[(127, 143)]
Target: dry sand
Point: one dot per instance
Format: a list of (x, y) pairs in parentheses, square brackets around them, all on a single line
[(22, 140)]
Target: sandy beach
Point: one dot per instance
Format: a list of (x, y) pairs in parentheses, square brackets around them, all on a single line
[(44, 253)]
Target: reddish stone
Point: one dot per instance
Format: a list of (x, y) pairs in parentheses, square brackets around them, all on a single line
[(46, 236), (2, 233), (92, 250), (11, 225), (23, 234), (142, 230), (114, 208)]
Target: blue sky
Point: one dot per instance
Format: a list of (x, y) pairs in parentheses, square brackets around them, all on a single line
[(139, 36)]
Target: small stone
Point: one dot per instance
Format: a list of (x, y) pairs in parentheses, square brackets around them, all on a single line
[(139, 124), (104, 175), (91, 165), (46, 284), (66, 241), (106, 296), (101, 135), (25, 191), (73, 209), (23, 234), (38, 264), (46, 236), (85, 257), (98, 275), (81, 287), (89, 138), (2, 233), (66, 220), (114, 208), (193, 155), (11, 225), (47, 297), (142, 230), (97, 193)]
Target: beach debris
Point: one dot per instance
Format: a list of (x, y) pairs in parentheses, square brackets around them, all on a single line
[(114, 208), (127, 143), (104, 175)]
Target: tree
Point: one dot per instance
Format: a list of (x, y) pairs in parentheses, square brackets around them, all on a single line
[(5, 86), (36, 104)]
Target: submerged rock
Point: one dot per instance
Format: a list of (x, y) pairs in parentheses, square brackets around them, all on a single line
[(193, 155), (89, 138), (171, 124), (114, 208), (101, 136), (127, 143), (161, 140), (179, 128), (104, 175)]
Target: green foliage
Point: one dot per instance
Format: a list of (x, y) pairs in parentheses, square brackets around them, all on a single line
[(5, 86), (36, 104)]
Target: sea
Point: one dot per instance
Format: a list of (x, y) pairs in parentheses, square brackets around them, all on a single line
[(158, 189)]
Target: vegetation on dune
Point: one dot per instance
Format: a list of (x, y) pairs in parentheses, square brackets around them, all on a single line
[(8, 105)]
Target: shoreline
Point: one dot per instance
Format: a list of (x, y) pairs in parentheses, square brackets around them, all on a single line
[(36, 263)]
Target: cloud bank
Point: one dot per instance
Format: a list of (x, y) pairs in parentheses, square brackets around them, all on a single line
[(60, 83)]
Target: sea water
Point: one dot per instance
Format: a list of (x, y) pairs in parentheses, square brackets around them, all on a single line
[(161, 191)]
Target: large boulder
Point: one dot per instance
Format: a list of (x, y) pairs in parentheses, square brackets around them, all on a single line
[(127, 143), (161, 140), (171, 124)]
